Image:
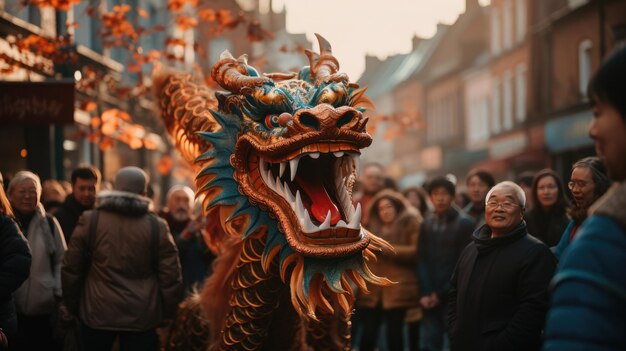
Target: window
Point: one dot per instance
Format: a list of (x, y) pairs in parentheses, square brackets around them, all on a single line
[(508, 24), (520, 92), (495, 107), (520, 19), (495, 31), (584, 66), (507, 100)]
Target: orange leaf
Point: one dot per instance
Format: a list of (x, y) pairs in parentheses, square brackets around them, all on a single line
[(164, 166), (95, 122), (106, 144), (143, 13), (89, 106)]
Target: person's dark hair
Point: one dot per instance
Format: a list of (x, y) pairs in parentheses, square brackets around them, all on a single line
[(389, 183), (525, 178), (420, 193), (560, 205), (441, 182), (609, 82), (598, 174), (483, 175), (86, 172)]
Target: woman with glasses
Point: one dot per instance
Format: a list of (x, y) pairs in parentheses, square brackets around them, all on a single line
[(548, 218), (588, 182)]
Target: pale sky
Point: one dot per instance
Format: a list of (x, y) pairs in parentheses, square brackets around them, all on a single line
[(359, 27)]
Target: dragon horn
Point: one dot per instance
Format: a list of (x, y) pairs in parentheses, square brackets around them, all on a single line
[(324, 66), (232, 74)]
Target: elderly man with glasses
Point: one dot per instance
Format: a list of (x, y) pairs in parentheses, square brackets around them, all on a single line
[(499, 298)]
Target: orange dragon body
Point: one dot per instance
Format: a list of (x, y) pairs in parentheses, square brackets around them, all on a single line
[(276, 157)]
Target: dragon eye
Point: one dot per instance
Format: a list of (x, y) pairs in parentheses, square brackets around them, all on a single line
[(271, 121)]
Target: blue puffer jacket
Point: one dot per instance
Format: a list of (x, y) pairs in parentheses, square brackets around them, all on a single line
[(588, 309)]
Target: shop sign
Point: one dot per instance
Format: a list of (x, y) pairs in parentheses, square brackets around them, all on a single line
[(36, 103)]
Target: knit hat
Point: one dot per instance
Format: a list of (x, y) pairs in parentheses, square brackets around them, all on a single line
[(131, 179)]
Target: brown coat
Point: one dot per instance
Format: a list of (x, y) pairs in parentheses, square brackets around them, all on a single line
[(121, 290), (399, 267)]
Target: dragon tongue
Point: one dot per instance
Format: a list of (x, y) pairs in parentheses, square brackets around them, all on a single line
[(321, 201)]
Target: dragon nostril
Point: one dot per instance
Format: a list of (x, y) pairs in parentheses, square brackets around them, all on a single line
[(309, 120), (346, 118)]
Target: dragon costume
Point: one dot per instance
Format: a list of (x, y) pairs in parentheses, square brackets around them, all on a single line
[(276, 157)]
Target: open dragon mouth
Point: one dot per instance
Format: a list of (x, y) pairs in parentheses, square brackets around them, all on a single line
[(308, 190), (314, 186)]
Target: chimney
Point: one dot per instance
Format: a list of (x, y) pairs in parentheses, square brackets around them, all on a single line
[(416, 41), (371, 61), (471, 5)]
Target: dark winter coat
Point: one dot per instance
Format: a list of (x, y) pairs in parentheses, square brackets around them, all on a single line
[(547, 227), (15, 262), (588, 308), (499, 297), (440, 245), (125, 287), (399, 267), (67, 214)]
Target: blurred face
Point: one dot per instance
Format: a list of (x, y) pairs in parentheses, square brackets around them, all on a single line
[(84, 191), (502, 211), (477, 190), (24, 197), (441, 199), (608, 129), (179, 205), (414, 199), (582, 186), (547, 192), (386, 211), (372, 180)]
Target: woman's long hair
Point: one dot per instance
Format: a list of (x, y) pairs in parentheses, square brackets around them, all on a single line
[(5, 205), (601, 181), (560, 206)]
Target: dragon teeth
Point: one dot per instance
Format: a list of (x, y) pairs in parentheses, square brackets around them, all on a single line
[(355, 222), (356, 160), (326, 223), (293, 167), (283, 189), (314, 155)]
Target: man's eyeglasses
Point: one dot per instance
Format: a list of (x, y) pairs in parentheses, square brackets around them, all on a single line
[(577, 183), (506, 205)]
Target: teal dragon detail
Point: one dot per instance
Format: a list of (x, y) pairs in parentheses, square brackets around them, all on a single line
[(276, 156)]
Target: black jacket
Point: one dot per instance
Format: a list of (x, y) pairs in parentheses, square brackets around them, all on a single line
[(440, 244), (14, 269), (547, 226), (499, 299), (67, 214)]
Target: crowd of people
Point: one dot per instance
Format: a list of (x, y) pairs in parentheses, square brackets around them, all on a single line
[(95, 267), (513, 265)]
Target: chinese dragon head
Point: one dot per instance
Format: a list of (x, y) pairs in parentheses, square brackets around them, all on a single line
[(277, 155)]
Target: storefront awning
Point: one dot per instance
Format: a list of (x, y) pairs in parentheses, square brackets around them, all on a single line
[(569, 132)]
